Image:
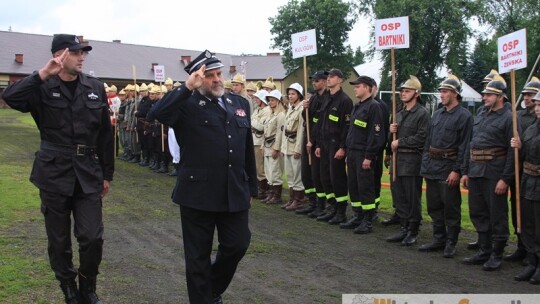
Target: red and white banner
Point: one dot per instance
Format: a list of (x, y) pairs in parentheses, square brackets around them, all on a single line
[(392, 33), (512, 51), (304, 44)]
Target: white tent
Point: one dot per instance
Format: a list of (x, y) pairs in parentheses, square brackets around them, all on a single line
[(373, 70)]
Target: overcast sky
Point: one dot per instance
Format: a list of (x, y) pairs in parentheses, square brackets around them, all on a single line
[(231, 27)]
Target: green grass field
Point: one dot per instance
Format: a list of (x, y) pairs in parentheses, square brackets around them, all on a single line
[(23, 257)]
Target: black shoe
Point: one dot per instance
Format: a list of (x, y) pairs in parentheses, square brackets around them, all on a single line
[(398, 237), (365, 227), (71, 294), (328, 214), (410, 239), (218, 300), (473, 245), (337, 219), (494, 262), (393, 220), (352, 223), (305, 210), (87, 288), (526, 274), (517, 255), (435, 245), (449, 249), (479, 258)]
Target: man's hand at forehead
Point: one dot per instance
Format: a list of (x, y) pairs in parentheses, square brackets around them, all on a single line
[(195, 80)]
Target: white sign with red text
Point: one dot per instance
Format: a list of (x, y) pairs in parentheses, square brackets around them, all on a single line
[(304, 44), (512, 51), (159, 73), (392, 33)]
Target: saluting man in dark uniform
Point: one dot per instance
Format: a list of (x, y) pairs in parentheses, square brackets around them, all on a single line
[(75, 162), (216, 175), (442, 162)]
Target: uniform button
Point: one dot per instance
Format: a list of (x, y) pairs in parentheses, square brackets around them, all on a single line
[(230, 151), (230, 166), (191, 177), (227, 122), (229, 136), (206, 121)]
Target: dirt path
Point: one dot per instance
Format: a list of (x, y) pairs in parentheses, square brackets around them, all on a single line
[(292, 259)]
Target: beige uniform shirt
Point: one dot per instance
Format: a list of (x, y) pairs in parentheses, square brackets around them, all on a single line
[(273, 133), (259, 117), (293, 130)]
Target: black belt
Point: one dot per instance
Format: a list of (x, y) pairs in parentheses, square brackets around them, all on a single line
[(79, 150)]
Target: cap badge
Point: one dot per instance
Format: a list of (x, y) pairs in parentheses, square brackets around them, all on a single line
[(207, 54), (202, 103), (377, 127), (77, 40)]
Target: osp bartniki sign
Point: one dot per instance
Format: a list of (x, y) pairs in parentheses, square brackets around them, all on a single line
[(392, 33), (159, 73), (304, 44), (512, 51)]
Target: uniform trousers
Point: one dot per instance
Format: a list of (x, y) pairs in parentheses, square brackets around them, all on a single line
[(88, 230), (361, 182), (378, 171), (135, 143), (273, 170), (293, 171), (174, 149), (206, 280), (259, 162), (530, 225), (333, 172), (488, 211), (407, 197), (443, 203), (311, 174)]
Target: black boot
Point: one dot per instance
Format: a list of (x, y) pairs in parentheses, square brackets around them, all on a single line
[(341, 214), (519, 254), (473, 245), (398, 237), (174, 172), (354, 221), (438, 242), (329, 212), (484, 250), (87, 288), (451, 242), (312, 198), (393, 220), (319, 210), (535, 279), (530, 268), (366, 225), (163, 168), (71, 294), (412, 234), (135, 159), (495, 259)]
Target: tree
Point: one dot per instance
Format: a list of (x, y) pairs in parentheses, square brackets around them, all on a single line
[(507, 16), (332, 21), (358, 57), (480, 63), (438, 33)]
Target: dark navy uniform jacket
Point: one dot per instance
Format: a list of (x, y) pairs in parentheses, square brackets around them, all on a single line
[(217, 168), (530, 152), (366, 133), (67, 120), (449, 130), (334, 119)]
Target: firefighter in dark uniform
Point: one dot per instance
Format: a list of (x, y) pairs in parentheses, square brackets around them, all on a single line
[(75, 162), (412, 127), (142, 110), (490, 170), (311, 173), (530, 197), (335, 119), (365, 139), (525, 118), (442, 162), (216, 176), (489, 77)]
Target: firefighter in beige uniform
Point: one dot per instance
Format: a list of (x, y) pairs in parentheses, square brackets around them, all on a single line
[(272, 145), (291, 147), (261, 114)]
